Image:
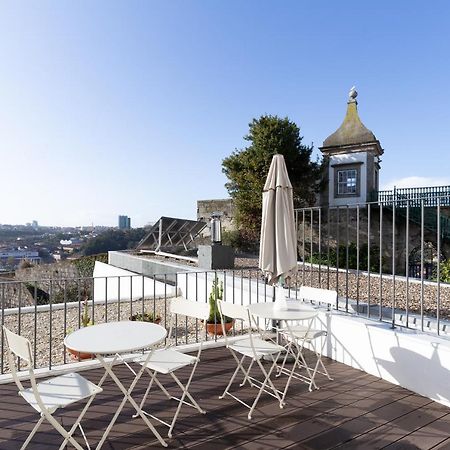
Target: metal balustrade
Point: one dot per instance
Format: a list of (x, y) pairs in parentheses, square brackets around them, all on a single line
[(377, 246), (364, 252)]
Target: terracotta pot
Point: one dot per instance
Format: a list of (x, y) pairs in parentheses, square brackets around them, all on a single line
[(80, 356), (216, 328)]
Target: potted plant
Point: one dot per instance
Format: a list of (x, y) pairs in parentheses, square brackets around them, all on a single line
[(85, 322), (214, 324), (146, 317)]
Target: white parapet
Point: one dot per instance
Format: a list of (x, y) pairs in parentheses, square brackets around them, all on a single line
[(198, 285), (112, 283), (412, 359)]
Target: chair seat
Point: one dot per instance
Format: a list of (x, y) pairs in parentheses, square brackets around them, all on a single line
[(262, 348), (61, 391), (167, 360), (302, 332)]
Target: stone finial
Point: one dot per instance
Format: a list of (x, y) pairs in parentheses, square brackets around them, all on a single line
[(352, 95), (352, 131)]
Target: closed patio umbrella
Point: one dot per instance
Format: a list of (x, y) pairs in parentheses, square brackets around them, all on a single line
[(278, 247)]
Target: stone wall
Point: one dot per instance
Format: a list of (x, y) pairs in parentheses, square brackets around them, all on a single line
[(342, 227), (41, 281), (225, 206)]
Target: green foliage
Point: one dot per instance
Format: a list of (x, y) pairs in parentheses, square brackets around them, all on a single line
[(85, 319), (67, 293), (25, 264), (240, 241), (444, 271), (112, 240), (146, 317), (247, 169), (352, 257), (216, 294), (85, 265)]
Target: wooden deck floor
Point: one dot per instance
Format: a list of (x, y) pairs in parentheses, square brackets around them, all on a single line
[(355, 411)]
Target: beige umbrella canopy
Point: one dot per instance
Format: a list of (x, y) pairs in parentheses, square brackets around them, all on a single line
[(278, 248)]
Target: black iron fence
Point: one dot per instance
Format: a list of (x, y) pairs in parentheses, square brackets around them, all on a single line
[(366, 253)]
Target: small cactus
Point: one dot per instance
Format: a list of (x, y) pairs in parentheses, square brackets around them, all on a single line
[(216, 294)]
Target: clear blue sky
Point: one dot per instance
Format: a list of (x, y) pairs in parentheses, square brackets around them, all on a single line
[(129, 107)]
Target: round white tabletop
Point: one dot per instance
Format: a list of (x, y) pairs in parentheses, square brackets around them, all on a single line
[(115, 337), (268, 311)]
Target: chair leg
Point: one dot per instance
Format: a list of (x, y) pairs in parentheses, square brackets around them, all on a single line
[(67, 436), (239, 367), (33, 432), (144, 398), (319, 361), (78, 424), (183, 396), (246, 372), (289, 351), (188, 395), (267, 380)]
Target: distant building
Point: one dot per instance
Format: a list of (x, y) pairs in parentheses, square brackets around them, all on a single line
[(352, 154), (13, 257), (124, 223)]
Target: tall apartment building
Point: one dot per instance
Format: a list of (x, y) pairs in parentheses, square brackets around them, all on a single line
[(124, 223)]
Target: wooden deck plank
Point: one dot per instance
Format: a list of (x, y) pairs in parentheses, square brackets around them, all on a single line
[(425, 437), (352, 406)]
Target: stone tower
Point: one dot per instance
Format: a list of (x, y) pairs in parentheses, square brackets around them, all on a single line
[(352, 154)]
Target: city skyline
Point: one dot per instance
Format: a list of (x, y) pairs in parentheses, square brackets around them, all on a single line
[(110, 107)]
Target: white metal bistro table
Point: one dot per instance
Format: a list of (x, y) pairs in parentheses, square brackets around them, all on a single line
[(115, 338), (268, 311)]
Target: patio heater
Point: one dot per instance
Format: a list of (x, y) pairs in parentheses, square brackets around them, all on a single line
[(215, 256), (216, 228)]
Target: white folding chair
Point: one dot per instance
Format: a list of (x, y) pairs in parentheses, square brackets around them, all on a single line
[(50, 395), (301, 335), (254, 348), (166, 361)]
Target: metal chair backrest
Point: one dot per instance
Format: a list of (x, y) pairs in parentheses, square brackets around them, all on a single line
[(180, 306), (188, 308), (18, 345), (238, 312), (317, 295), (21, 347)]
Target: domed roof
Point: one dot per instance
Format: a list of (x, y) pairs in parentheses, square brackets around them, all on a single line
[(352, 130)]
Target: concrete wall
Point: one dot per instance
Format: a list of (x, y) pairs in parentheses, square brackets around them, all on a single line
[(145, 266), (198, 285), (112, 283)]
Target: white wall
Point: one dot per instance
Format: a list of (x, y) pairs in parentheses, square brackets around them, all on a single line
[(409, 358), (106, 284), (349, 158), (197, 286)]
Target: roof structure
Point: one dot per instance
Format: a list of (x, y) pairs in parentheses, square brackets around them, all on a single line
[(171, 233), (352, 131)]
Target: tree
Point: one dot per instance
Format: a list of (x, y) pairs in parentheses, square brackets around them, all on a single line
[(247, 169), (113, 240)]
